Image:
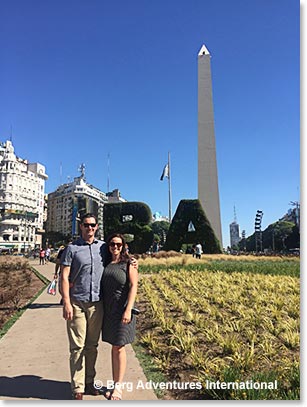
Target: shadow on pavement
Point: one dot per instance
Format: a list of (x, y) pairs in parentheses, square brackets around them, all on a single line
[(34, 306), (29, 386), (37, 305)]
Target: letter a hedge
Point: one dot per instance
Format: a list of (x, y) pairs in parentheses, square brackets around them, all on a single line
[(190, 210)]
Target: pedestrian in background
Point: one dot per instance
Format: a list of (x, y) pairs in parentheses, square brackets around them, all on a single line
[(47, 255), (42, 254), (198, 251)]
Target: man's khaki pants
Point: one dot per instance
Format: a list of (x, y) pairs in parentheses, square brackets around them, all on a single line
[(83, 332)]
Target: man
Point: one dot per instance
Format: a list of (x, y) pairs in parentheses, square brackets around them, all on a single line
[(82, 268), (198, 251), (58, 268), (47, 255), (58, 262)]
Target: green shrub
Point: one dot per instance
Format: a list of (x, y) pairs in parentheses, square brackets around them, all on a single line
[(129, 218), (190, 211)]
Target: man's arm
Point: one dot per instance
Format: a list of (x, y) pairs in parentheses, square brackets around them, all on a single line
[(67, 307), (134, 262), (57, 266)]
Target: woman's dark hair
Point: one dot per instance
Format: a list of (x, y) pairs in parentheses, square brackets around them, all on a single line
[(123, 254)]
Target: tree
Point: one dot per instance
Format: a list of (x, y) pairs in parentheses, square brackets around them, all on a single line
[(278, 236), (160, 230), (281, 230), (55, 239)]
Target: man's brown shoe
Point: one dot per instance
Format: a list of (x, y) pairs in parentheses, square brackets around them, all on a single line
[(77, 396), (91, 390)]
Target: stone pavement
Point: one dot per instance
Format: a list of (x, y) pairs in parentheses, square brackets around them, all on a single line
[(35, 359)]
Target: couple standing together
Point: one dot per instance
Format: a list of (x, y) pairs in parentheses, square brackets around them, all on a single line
[(99, 285)]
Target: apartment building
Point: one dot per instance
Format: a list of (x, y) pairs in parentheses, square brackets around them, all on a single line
[(22, 187), (234, 234), (71, 200)]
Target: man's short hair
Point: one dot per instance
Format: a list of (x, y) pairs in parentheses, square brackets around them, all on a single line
[(89, 215)]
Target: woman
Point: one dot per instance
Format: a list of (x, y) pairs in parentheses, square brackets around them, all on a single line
[(42, 254), (119, 287)]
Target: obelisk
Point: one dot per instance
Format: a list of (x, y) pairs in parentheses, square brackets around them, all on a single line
[(208, 192)]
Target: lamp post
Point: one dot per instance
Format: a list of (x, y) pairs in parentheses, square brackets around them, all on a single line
[(244, 239), (80, 213), (258, 233), (25, 233)]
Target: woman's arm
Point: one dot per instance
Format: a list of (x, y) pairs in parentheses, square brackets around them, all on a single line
[(133, 281)]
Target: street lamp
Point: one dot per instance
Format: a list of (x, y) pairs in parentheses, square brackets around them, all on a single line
[(244, 239), (25, 233)]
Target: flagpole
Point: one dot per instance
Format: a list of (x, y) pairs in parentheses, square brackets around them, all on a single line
[(169, 190), (108, 180)]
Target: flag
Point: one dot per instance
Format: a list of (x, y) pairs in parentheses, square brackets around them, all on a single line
[(165, 172)]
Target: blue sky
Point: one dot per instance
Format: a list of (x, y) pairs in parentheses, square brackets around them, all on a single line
[(83, 79)]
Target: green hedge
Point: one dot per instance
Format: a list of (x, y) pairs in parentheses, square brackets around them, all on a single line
[(129, 218), (190, 210)]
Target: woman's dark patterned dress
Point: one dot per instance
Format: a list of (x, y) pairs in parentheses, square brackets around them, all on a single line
[(115, 288)]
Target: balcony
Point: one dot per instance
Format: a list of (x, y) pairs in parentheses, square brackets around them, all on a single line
[(15, 222)]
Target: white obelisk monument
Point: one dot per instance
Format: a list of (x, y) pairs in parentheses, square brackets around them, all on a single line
[(208, 192)]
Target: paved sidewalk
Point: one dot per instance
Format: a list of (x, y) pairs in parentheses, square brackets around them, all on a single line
[(35, 359)]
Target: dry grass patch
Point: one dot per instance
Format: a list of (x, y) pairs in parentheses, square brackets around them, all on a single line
[(18, 284)]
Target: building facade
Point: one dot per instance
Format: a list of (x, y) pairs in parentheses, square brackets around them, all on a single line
[(234, 234), (22, 188), (70, 201), (115, 197)]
